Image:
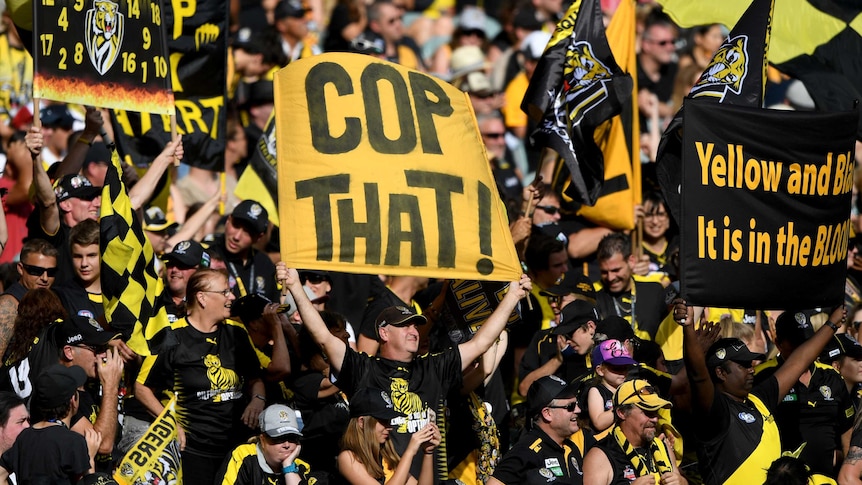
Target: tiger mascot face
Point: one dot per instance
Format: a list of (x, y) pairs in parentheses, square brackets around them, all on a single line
[(582, 67), (212, 361), (728, 66), (105, 19)]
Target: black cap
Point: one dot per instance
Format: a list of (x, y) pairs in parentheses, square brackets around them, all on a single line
[(253, 214), (572, 283), (56, 115), (98, 153), (79, 330), (840, 345), (794, 327), (574, 316), (98, 478), (289, 8), (155, 220), (373, 402), (398, 316), (527, 19), (546, 389), (189, 254), (57, 384), (616, 328), (77, 186), (257, 93), (729, 349), (250, 307)]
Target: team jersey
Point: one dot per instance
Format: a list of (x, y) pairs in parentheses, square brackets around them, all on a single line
[(246, 466), (208, 372), (537, 459)]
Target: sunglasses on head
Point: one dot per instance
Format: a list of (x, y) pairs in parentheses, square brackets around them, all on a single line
[(33, 270), (643, 391), (549, 209)]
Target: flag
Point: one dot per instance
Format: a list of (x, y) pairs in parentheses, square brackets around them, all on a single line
[(259, 181), (619, 137), (817, 41), (736, 75), (577, 84), (128, 274), (155, 458)]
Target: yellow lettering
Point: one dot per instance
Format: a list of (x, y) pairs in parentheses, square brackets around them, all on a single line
[(183, 9)]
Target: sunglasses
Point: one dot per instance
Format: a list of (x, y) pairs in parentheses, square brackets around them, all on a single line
[(549, 209), (856, 324), (101, 349), (493, 135), (644, 391), (314, 279), (283, 439), (568, 407), (39, 271), (394, 20), (663, 43)]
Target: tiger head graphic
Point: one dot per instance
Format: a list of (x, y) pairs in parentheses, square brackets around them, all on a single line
[(727, 70)]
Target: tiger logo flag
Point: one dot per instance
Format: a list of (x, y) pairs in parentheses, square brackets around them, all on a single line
[(818, 42), (382, 170), (576, 86), (736, 75), (128, 273), (155, 458)]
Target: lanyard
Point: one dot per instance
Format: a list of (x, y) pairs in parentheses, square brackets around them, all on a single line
[(242, 290)]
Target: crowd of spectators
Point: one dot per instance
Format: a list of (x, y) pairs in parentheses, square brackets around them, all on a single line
[(297, 375)]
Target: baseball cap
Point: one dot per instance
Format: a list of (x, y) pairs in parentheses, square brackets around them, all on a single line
[(575, 315), (612, 352), (545, 389), (477, 83), (398, 316), (472, 19), (527, 19), (279, 420), (794, 327), (729, 349), (56, 115), (616, 328), (290, 303), (57, 384), (467, 59), (189, 254), (78, 330), (155, 220), (250, 307), (840, 345), (98, 153), (253, 214), (572, 283), (289, 8), (377, 403), (640, 393), (77, 186)]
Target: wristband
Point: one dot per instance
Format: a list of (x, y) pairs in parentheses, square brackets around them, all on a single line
[(260, 397), (292, 468), (84, 141), (832, 325)]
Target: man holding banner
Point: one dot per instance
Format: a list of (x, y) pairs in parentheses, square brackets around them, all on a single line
[(417, 384)]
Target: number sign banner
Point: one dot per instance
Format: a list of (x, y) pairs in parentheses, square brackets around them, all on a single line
[(102, 53)]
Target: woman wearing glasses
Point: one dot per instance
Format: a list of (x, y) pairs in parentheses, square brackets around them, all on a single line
[(210, 363)]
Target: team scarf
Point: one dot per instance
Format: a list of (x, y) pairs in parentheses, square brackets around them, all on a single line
[(486, 429), (659, 455)]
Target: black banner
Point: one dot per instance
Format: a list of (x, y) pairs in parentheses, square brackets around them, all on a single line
[(468, 304), (765, 206), (102, 53), (197, 40)]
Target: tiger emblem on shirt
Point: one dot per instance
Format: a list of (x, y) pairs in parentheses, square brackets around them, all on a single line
[(727, 70), (221, 379), (405, 401), (104, 38)]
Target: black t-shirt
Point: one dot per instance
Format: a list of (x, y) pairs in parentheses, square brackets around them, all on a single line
[(338, 21), (53, 452), (542, 349), (324, 421), (817, 414), (208, 372), (256, 275), (648, 301), (77, 301), (737, 434), (418, 388), (537, 459)]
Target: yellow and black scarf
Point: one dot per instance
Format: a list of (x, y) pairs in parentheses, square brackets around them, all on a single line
[(660, 458)]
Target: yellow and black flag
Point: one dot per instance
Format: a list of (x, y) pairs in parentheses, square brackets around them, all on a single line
[(155, 458), (576, 86), (736, 75), (259, 181), (128, 274), (818, 42)]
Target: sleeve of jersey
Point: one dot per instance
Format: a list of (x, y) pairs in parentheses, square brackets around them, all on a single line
[(448, 368), (233, 472), (512, 469), (354, 368), (155, 372)]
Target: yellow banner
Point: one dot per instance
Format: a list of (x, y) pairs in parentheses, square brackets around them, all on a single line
[(155, 458), (382, 170)]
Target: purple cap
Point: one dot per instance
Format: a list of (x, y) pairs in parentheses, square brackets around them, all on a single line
[(612, 352)]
